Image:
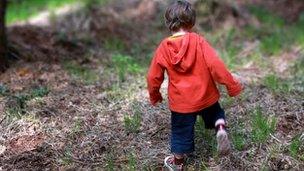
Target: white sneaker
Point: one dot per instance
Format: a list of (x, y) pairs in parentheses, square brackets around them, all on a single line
[(169, 163), (223, 143)]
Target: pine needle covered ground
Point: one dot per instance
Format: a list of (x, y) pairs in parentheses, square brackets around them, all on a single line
[(77, 97)]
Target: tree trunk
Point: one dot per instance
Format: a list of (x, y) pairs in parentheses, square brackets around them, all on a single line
[(3, 45)]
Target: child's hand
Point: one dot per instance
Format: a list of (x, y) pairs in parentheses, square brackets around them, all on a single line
[(159, 101), (156, 102), (240, 83), (239, 79)]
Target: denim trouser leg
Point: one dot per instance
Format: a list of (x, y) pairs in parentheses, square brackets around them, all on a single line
[(182, 134), (182, 127)]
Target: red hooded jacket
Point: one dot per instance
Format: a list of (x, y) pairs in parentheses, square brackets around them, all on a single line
[(193, 68)]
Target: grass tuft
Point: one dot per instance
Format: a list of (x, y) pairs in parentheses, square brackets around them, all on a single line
[(273, 43), (132, 123), (131, 162), (114, 44), (39, 92), (238, 138), (266, 17), (125, 64), (208, 136), (294, 147), (67, 158), (262, 126), (110, 162), (82, 73), (21, 100), (12, 114), (275, 84)]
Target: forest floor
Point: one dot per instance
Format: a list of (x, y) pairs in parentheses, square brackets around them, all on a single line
[(77, 99)]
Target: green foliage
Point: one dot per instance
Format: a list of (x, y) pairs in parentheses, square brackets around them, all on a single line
[(131, 162), (266, 17), (21, 10), (274, 35), (20, 102), (36, 92), (39, 92), (204, 167), (3, 90), (298, 72), (229, 50), (67, 158), (76, 127), (82, 73), (89, 4), (132, 123), (249, 32), (272, 40), (125, 64), (274, 83), (238, 138), (114, 44), (273, 43), (13, 113), (258, 58), (199, 127), (295, 145), (208, 136), (110, 162), (229, 57), (298, 31), (262, 126), (226, 101)]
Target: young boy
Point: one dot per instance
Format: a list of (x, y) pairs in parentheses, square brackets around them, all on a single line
[(193, 68)]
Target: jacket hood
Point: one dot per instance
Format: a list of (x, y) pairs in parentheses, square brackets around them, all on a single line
[(182, 51)]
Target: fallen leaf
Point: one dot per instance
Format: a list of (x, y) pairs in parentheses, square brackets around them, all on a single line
[(23, 72)]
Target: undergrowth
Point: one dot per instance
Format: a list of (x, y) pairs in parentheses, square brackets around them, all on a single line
[(238, 137), (81, 73), (262, 126), (295, 147), (19, 101), (275, 84), (132, 122), (22, 10), (125, 65), (274, 37)]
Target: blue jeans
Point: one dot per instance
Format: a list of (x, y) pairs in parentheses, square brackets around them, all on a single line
[(182, 127)]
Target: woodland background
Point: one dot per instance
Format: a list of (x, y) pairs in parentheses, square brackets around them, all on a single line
[(73, 92)]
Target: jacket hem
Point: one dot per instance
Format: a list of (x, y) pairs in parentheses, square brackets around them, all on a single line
[(195, 108)]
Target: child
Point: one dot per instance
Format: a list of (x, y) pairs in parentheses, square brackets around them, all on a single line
[(193, 68)]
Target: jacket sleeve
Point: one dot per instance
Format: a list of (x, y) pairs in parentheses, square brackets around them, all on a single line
[(155, 78), (218, 70)]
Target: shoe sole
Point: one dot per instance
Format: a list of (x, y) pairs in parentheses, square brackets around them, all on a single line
[(223, 143), (166, 165)]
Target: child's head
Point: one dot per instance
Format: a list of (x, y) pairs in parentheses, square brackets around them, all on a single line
[(180, 15)]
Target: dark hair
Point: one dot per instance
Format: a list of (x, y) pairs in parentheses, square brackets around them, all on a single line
[(180, 14)]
